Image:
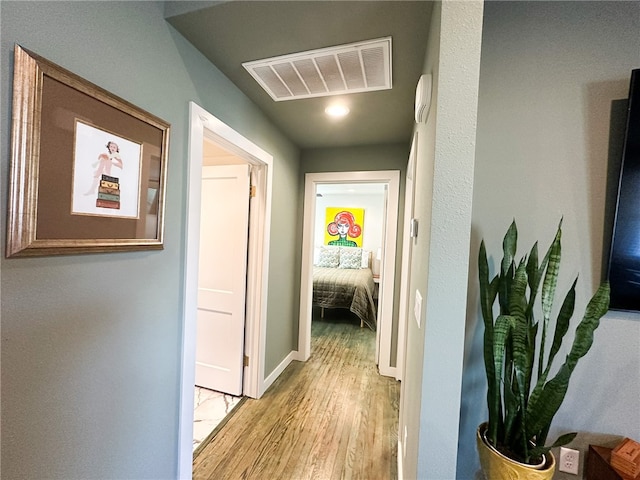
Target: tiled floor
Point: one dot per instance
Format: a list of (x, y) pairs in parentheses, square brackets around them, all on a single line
[(210, 408)]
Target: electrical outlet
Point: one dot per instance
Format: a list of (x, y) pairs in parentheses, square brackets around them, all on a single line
[(569, 460)]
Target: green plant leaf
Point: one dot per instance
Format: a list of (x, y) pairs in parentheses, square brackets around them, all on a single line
[(501, 332), (520, 416), (522, 360), (509, 246), (551, 275), (562, 322), (597, 307), (517, 297), (488, 291), (511, 409), (562, 326), (549, 291), (564, 439), (533, 276), (521, 366), (542, 409)]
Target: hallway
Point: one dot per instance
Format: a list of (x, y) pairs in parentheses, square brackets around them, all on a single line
[(331, 417)]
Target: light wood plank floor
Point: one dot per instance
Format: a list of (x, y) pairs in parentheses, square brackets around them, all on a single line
[(332, 417)]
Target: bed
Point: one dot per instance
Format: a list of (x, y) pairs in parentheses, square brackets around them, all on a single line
[(345, 281)]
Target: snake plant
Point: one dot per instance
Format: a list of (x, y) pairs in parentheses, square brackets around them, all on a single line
[(523, 395)]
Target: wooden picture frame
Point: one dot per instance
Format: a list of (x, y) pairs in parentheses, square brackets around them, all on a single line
[(88, 169)]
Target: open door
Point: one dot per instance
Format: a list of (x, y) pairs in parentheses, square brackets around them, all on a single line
[(203, 124), (222, 278)]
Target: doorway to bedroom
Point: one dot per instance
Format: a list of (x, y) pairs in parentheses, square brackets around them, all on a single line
[(204, 128), (365, 204)]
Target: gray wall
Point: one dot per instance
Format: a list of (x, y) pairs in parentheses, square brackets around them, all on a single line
[(553, 82), (91, 365), (424, 139), (366, 158), (429, 410)]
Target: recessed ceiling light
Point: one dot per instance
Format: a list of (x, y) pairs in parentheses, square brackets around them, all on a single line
[(336, 111)]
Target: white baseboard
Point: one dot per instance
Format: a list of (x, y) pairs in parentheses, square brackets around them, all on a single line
[(298, 355), (400, 461), (277, 371), (388, 371)]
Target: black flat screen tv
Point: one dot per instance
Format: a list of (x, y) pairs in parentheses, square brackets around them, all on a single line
[(624, 258)]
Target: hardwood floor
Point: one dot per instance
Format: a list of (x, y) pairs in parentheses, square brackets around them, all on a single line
[(332, 417)]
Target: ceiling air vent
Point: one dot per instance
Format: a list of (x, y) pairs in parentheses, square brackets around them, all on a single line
[(356, 67)]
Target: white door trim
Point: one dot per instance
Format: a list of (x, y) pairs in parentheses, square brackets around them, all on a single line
[(202, 124), (385, 315), (405, 269)]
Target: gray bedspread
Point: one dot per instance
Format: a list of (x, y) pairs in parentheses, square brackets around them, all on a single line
[(346, 288)]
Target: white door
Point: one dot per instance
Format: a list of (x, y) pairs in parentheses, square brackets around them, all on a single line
[(222, 278), (407, 251)]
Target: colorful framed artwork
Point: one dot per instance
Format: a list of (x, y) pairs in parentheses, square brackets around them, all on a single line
[(344, 226), (88, 169)]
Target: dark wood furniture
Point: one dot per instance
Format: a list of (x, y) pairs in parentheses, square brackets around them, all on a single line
[(599, 464)]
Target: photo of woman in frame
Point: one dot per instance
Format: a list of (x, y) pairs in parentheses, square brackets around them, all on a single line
[(106, 173)]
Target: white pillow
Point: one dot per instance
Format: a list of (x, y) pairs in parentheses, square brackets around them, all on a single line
[(350, 257), (329, 257)]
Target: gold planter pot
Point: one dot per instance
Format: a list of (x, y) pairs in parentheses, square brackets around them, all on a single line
[(498, 467)]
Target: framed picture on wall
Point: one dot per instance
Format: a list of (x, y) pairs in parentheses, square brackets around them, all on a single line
[(88, 169), (344, 226), (106, 173)]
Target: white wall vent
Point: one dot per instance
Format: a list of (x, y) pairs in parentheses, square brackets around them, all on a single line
[(352, 68)]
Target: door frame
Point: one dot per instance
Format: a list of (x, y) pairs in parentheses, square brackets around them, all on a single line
[(201, 124), (387, 269), (407, 250)]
